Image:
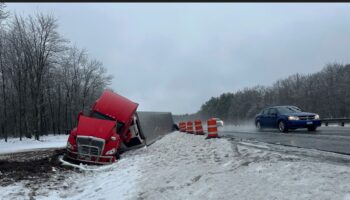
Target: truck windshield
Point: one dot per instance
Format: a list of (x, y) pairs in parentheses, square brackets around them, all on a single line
[(98, 115), (288, 109)]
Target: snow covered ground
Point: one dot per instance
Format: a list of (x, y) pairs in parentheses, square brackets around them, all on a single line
[(184, 166), (15, 145)]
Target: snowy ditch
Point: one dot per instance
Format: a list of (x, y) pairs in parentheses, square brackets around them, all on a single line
[(14, 145), (185, 166)]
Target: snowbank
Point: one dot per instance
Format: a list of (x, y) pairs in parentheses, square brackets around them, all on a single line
[(15, 145), (184, 166)]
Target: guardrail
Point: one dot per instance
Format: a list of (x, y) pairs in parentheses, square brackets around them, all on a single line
[(340, 121)]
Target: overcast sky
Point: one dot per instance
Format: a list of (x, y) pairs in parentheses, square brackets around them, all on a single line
[(175, 56)]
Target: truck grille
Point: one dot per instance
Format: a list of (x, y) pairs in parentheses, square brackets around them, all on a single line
[(90, 146), (311, 117)]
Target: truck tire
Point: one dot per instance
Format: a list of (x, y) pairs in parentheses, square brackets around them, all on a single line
[(117, 155), (175, 127)]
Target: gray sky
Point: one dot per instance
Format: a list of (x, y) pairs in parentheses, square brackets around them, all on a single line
[(175, 56)]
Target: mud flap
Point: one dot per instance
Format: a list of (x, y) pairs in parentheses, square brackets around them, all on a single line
[(154, 125)]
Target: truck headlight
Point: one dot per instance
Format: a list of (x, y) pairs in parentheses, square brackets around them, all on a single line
[(293, 118), (69, 146), (111, 152), (317, 117)]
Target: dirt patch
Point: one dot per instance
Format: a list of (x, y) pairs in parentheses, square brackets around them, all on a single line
[(35, 166)]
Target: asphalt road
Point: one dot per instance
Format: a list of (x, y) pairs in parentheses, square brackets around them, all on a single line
[(332, 138)]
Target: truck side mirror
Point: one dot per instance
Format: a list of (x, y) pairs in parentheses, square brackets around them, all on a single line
[(80, 114), (115, 128)]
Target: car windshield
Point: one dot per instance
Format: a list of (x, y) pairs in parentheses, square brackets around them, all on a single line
[(288, 109)]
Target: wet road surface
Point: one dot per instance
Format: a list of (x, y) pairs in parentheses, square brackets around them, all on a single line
[(332, 138)]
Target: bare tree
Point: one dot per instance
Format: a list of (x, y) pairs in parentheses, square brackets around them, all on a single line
[(3, 16), (326, 92), (44, 81), (45, 42)]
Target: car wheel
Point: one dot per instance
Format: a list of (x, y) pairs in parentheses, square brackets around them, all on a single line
[(282, 127), (258, 126), (312, 128)]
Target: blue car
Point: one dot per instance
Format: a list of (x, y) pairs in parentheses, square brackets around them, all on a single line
[(285, 118)]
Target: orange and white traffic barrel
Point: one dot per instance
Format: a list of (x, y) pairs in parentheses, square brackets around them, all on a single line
[(198, 127), (212, 128), (189, 128), (182, 126)]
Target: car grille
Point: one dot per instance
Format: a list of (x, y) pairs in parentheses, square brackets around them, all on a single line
[(90, 146), (311, 117)]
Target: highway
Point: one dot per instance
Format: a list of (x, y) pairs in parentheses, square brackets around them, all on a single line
[(332, 138)]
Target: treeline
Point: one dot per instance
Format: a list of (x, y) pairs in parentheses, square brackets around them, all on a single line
[(44, 80), (326, 92)]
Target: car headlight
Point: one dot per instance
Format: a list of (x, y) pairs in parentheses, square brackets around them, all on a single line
[(317, 117), (111, 152), (293, 118)]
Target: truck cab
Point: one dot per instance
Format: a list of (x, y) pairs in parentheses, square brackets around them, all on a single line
[(111, 126)]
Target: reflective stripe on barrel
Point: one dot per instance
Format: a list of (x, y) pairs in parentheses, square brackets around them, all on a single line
[(189, 128), (198, 127), (212, 128), (182, 126)]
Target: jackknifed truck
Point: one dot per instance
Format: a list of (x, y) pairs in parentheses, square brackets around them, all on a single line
[(114, 126)]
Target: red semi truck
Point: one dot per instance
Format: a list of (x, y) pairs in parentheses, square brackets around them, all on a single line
[(112, 126)]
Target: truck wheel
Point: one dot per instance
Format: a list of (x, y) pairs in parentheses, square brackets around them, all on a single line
[(282, 127), (175, 127), (311, 128), (117, 155)]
